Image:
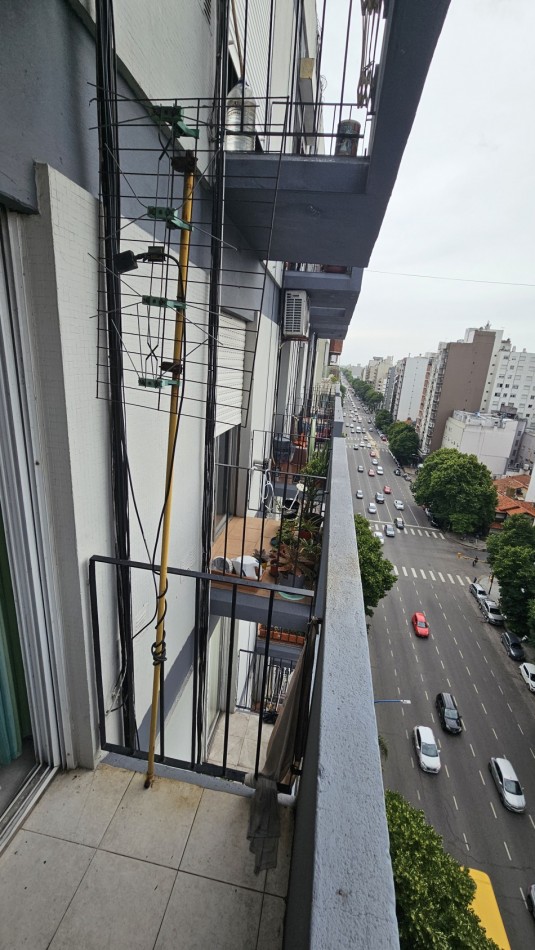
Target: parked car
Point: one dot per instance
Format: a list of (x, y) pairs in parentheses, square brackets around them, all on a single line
[(513, 646), (372, 508), (399, 505), (379, 497), (399, 523), (379, 536), (359, 493), (448, 714), (397, 471), (426, 749), (527, 672), (389, 531), (420, 624), (509, 788), (478, 591), (491, 611)]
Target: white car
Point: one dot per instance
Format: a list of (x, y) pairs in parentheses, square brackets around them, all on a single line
[(372, 508), (527, 671), (509, 788), (359, 493), (375, 462), (379, 536), (399, 505), (426, 749), (380, 470)]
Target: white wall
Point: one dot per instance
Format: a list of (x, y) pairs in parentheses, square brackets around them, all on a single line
[(412, 388), (492, 446)]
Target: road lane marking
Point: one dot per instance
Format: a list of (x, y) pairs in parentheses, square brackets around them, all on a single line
[(392, 654), (532, 752), (441, 536), (446, 770), (455, 802), (431, 575), (448, 682), (467, 579), (412, 531), (416, 657), (523, 897), (468, 671), (532, 822), (460, 654), (459, 578), (404, 569), (426, 695), (441, 577), (493, 810), (466, 842), (396, 572), (440, 605), (422, 572), (509, 707), (507, 849), (495, 733), (476, 689), (484, 657), (419, 532), (450, 578), (418, 794), (483, 708), (481, 777), (472, 750), (427, 534), (449, 628), (455, 641), (492, 673), (520, 727), (442, 665), (414, 574), (437, 649)]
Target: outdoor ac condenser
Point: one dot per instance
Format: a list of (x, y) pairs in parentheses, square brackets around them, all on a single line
[(296, 315)]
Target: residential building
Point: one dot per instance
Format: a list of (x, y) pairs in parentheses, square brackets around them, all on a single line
[(390, 387), (492, 440), (513, 492), (357, 371), (510, 387), (376, 371), (456, 381), (182, 236), (410, 391)]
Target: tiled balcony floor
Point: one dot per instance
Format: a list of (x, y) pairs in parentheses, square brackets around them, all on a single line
[(101, 862)]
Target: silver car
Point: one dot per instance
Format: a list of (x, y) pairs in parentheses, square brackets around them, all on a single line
[(509, 788), (527, 671), (426, 749)]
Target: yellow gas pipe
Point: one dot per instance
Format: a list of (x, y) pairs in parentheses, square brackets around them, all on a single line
[(187, 205)]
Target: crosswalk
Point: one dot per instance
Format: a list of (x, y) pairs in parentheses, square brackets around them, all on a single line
[(420, 574), (423, 532)]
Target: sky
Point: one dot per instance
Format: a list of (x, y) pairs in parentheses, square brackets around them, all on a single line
[(463, 205)]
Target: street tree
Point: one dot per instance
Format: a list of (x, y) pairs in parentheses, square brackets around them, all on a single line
[(404, 441), (433, 891), (459, 491), (377, 574), (383, 419), (512, 560)]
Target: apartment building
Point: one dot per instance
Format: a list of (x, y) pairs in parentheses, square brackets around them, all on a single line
[(175, 264), (376, 371), (510, 387), (493, 440), (410, 390)]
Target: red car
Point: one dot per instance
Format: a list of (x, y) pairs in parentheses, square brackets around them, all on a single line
[(420, 624), (387, 490), (371, 471), (373, 453)]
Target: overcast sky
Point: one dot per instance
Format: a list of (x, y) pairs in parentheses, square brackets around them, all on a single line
[(463, 205)]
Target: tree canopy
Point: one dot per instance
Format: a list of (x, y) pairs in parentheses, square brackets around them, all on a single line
[(512, 559), (383, 419), (433, 891), (458, 489), (376, 572), (403, 440)]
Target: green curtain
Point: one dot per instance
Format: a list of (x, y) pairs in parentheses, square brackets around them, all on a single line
[(14, 712)]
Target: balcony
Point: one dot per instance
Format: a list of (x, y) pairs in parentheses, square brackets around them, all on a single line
[(134, 868), (333, 293), (328, 209)]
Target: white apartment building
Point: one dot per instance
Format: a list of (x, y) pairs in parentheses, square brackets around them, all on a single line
[(376, 371), (492, 440), (409, 395), (510, 386)]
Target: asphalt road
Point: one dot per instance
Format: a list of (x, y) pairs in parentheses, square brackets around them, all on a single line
[(463, 655)]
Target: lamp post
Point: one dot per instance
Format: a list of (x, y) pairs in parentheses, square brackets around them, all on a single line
[(405, 702)]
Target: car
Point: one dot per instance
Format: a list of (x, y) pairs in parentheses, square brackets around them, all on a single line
[(371, 472), (527, 672), (387, 490), (375, 462), (407, 478), (362, 445), (426, 749), (378, 535), (356, 448), (491, 611), (379, 497), (397, 471), (380, 470), (360, 468), (399, 505), (448, 714), (372, 508), (530, 899), (477, 591), (359, 493), (509, 788), (389, 531), (373, 453), (513, 646), (383, 438), (399, 523), (419, 623)]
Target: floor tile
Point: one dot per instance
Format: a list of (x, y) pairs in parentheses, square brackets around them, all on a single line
[(39, 876), (218, 847), (119, 904), (79, 805), (271, 923), (234, 748), (154, 824), (205, 914)]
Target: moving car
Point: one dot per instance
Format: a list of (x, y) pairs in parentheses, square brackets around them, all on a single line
[(371, 471), (491, 611), (397, 471), (359, 493), (389, 531), (356, 448), (426, 749), (373, 453), (399, 523), (379, 497), (399, 505), (378, 535), (387, 490), (513, 646), (448, 713), (372, 508), (477, 591), (360, 468), (380, 470), (509, 788), (375, 462), (420, 625), (527, 672)]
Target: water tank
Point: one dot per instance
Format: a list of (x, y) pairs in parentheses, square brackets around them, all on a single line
[(240, 121)]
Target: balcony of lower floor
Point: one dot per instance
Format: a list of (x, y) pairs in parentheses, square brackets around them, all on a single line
[(332, 290)]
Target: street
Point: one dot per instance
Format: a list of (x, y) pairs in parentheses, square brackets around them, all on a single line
[(462, 655)]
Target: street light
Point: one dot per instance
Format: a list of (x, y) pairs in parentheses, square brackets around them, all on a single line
[(405, 702)]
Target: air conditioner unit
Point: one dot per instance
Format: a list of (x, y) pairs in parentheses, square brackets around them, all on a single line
[(296, 315)]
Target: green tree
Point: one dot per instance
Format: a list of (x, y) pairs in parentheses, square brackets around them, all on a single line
[(383, 419), (458, 489), (377, 574), (374, 399), (512, 559), (404, 441), (433, 891)]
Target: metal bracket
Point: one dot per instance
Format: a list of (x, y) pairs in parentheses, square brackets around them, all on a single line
[(163, 302), (170, 216)]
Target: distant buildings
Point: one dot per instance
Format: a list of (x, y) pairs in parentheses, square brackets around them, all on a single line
[(492, 439)]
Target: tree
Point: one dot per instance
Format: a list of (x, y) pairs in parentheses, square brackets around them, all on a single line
[(433, 891), (376, 572), (403, 440), (458, 489), (383, 419), (512, 559)]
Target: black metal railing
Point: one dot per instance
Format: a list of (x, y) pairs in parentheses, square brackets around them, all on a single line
[(184, 719)]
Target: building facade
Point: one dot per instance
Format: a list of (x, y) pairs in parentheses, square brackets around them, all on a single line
[(492, 440)]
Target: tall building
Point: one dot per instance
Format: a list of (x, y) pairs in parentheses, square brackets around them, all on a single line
[(457, 381), (410, 391), (183, 232), (510, 386), (376, 371)]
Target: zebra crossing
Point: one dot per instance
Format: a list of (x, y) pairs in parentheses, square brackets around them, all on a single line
[(420, 574)]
